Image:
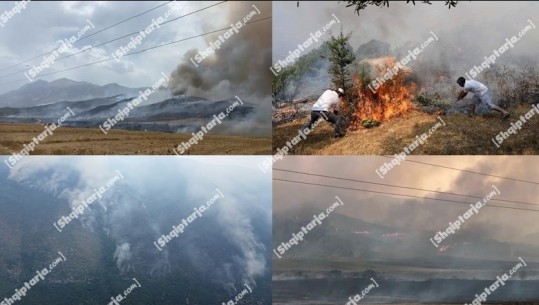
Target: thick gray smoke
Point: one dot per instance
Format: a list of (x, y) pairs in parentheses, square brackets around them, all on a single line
[(241, 234), (122, 255), (417, 217), (466, 34), (113, 213), (238, 68), (136, 211)]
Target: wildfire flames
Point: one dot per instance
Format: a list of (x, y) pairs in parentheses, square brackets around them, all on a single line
[(392, 98)]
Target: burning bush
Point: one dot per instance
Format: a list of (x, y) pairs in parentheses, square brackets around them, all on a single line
[(392, 98)]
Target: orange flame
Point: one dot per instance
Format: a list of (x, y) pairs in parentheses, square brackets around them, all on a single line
[(392, 98)]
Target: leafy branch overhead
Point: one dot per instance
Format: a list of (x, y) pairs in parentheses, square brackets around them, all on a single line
[(362, 4)]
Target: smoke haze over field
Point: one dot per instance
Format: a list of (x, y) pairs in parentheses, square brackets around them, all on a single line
[(414, 215), (387, 237)]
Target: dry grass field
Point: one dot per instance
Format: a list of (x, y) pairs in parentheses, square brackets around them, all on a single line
[(462, 135), (91, 141)]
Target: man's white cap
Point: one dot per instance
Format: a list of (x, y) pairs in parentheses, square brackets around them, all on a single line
[(340, 90)]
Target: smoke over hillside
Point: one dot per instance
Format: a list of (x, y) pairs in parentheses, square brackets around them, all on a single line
[(135, 211), (238, 68)]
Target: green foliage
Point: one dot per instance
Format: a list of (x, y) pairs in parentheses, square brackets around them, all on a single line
[(362, 4), (281, 81), (291, 79), (369, 123), (340, 58)]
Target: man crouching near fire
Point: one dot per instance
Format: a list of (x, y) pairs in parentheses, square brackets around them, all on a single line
[(481, 94), (321, 109)]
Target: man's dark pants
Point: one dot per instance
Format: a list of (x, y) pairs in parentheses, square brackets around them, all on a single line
[(327, 116)]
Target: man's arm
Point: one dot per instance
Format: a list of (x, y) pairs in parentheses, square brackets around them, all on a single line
[(462, 94)]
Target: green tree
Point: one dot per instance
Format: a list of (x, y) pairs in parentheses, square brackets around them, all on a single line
[(289, 82), (341, 59), (281, 83)]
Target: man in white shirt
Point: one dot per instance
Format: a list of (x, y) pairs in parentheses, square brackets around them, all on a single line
[(321, 109), (481, 93)]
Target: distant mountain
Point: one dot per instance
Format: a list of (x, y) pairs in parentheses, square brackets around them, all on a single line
[(344, 238), (43, 92), (186, 113), (56, 110)]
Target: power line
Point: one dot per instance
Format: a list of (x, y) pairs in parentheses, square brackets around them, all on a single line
[(116, 39), (404, 187), (402, 195), (137, 52), (84, 37), (467, 171)]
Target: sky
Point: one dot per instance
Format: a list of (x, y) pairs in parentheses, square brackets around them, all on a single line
[(39, 27), (501, 224), (401, 24)]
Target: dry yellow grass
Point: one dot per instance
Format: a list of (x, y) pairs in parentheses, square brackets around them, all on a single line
[(461, 136), (90, 141)]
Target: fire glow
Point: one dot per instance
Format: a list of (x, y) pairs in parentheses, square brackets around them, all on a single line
[(392, 99)]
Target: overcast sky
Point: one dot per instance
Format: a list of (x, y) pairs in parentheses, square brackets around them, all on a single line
[(501, 224), (37, 29)]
